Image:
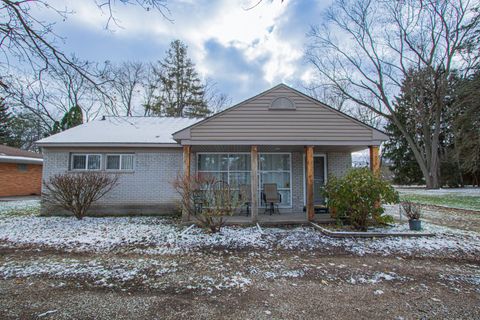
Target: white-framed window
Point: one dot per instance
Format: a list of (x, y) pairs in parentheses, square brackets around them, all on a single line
[(124, 162), (86, 161), (277, 168)]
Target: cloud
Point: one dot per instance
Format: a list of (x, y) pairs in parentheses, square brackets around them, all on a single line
[(244, 51), (233, 71)]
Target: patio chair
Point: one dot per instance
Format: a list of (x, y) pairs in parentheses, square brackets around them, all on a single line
[(271, 198), (245, 198)]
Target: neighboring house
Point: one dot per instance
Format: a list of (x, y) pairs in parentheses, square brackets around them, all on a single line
[(20, 172), (280, 136)]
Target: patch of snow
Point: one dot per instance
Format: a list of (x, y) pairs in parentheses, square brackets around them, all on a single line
[(46, 313), (160, 235), (284, 274), (375, 278), (440, 192)]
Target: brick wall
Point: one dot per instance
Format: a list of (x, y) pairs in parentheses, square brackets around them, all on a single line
[(147, 190), (338, 163), (15, 182)]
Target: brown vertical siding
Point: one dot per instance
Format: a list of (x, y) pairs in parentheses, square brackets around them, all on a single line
[(14, 182)]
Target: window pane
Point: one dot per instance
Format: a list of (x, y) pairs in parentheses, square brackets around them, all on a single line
[(127, 162), (275, 162), (285, 197), (93, 162), (208, 162), (79, 162), (282, 179), (113, 162), (239, 178), (223, 162), (22, 167), (212, 162), (239, 162), (218, 176)]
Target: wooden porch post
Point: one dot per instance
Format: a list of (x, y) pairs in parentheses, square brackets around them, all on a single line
[(254, 183), (309, 161), (186, 161), (186, 175), (374, 160)]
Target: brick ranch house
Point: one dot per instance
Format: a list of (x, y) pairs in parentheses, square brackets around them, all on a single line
[(280, 136), (20, 172)]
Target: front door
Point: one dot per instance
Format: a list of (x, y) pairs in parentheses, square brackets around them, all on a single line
[(318, 180), (319, 169)]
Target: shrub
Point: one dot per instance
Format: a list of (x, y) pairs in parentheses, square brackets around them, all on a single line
[(206, 199), (75, 192), (412, 210), (356, 198)]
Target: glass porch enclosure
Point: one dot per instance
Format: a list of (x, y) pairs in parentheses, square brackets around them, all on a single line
[(234, 169)]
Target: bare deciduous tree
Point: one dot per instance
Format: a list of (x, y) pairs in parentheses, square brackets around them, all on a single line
[(75, 192), (25, 38), (328, 94), (127, 80), (216, 101), (368, 47), (58, 91)]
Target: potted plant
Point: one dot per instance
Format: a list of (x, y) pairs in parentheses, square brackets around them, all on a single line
[(412, 211)]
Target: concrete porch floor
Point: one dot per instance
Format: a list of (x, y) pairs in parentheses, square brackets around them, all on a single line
[(277, 219)]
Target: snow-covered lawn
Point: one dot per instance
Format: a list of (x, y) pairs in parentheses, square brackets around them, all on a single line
[(19, 207), (440, 192), (462, 198), (156, 253), (161, 236)]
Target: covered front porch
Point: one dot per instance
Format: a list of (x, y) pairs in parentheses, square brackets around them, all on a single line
[(299, 173)]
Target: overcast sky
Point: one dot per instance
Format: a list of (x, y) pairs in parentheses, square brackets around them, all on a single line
[(243, 51)]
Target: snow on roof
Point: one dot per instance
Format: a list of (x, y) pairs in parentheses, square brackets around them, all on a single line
[(121, 130)]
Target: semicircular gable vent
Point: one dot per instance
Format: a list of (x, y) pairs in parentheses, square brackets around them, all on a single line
[(282, 103)]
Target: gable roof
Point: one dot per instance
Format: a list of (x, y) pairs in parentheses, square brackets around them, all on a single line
[(312, 122), (15, 155), (121, 131)]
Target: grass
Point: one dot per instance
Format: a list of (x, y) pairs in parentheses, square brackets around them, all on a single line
[(19, 208), (451, 201)]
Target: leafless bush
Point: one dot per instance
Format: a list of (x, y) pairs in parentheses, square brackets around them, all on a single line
[(412, 210), (75, 192), (207, 200)]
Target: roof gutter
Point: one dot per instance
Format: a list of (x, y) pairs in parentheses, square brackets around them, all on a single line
[(27, 160), (108, 144)]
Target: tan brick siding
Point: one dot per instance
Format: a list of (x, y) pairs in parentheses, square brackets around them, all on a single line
[(14, 182)]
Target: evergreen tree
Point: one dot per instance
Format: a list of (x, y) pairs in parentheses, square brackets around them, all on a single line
[(403, 164), (182, 92), (5, 122), (25, 129), (466, 126), (71, 118), (414, 110)]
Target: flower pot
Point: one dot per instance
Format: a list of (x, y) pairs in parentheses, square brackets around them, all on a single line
[(415, 225)]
